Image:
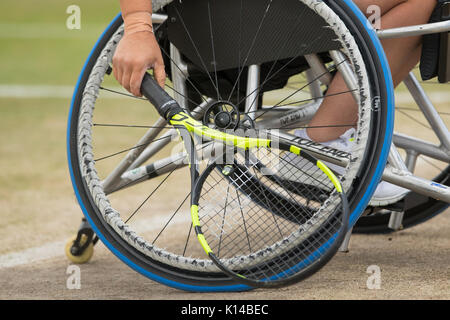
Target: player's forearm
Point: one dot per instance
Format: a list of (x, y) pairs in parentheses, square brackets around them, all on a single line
[(132, 6), (137, 15), (138, 49)]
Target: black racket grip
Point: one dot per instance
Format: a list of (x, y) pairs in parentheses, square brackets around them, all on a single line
[(164, 104)]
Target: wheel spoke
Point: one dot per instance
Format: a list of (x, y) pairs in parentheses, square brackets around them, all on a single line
[(122, 93), (414, 119), (243, 221), (417, 110), (129, 149), (186, 76), (187, 239), (292, 94), (269, 2), (116, 125), (171, 217), (223, 220), (196, 50), (149, 196), (213, 51), (299, 19)]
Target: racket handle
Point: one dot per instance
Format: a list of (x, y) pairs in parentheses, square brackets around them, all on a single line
[(164, 104)]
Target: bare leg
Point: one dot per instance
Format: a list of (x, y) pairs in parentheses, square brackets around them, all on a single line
[(338, 113)]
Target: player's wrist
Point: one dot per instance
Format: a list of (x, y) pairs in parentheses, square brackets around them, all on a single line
[(138, 22)]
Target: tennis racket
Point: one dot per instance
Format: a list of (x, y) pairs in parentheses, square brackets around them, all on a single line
[(265, 212)]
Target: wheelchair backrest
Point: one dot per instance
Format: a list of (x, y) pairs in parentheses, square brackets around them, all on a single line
[(193, 24)]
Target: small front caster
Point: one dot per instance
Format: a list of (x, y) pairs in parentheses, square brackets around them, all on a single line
[(80, 248)]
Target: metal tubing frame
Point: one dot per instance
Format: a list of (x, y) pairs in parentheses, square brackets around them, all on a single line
[(252, 100), (398, 171), (417, 30), (401, 173), (428, 110)]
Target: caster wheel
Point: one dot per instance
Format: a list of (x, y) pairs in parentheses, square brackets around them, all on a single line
[(79, 257)]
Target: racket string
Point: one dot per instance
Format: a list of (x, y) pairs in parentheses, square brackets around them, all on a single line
[(272, 210)]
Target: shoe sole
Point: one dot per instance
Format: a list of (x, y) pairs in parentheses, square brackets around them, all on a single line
[(374, 202)]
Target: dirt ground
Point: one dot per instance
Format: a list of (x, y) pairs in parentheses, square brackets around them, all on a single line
[(414, 264)]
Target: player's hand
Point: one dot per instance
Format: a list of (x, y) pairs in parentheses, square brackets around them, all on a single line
[(135, 54)]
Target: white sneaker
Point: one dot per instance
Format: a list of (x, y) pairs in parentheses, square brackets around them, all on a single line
[(301, 170), (386, 193), (345, 143)]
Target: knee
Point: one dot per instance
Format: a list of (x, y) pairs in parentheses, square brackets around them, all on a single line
[(423, 7), (423, 4)]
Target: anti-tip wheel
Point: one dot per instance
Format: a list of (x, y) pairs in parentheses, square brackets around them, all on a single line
[(79, 258)]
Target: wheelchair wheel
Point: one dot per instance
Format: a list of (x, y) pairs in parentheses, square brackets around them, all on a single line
[(139, 208), (416, 208)]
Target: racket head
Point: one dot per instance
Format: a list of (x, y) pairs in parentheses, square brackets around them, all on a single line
[(269, 216)]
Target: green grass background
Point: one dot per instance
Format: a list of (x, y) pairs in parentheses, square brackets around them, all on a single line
[(36, 198), (37, 47)]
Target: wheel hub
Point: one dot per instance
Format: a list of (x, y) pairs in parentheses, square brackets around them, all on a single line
[(222, 115)]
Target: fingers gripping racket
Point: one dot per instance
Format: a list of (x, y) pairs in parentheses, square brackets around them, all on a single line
[(268, 217)]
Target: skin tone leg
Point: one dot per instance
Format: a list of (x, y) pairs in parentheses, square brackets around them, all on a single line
[(403, 54)]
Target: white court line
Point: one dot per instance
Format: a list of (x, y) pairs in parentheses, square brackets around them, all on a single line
[(35, 91), (49, 91), (56, 249), (48, 251), (24, 31), (435, 97)]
